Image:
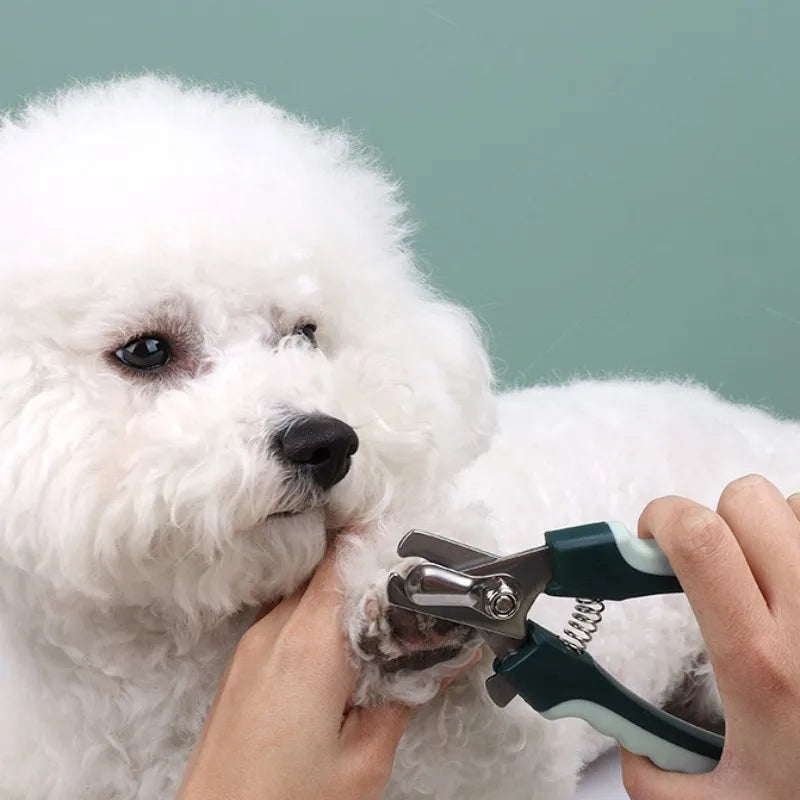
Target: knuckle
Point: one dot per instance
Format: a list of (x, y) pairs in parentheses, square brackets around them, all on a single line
[(749, 488), (381, 750), (373, 773), (291, 653), (661, 516), (770, 669), (794, 503), (697, 531), (649, 512), (251, 653), (661, 506), (251, 646), (380, 771)]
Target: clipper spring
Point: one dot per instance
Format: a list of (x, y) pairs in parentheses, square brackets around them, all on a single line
[(583, 624)]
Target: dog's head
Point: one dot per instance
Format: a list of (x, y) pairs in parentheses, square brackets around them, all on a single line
[(214, 347)]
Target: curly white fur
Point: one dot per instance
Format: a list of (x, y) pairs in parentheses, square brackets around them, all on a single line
[(143, 514)]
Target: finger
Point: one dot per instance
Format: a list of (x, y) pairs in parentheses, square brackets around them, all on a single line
[(314, 635), (272, 620), (254, 650), (322, 595), (794, 503), (713, 572), (643, 780), (379, 728), (369, 740), (769, 535), (268, 608)]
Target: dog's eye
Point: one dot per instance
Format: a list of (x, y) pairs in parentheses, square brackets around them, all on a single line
[(308, 331), (147, 353)]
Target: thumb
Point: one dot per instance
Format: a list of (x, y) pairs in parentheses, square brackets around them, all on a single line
[(643, 780)]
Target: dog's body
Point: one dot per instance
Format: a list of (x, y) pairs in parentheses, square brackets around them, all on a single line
[(565, 455), (189, 280)]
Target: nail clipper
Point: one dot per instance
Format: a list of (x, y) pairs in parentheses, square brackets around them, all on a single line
[(555, 675)]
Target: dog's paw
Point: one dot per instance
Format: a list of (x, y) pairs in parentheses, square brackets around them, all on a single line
[(403, 653), (396, 639)]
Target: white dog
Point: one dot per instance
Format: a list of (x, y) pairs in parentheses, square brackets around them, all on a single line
[(215, 352)]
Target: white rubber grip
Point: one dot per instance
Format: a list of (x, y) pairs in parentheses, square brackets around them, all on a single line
[(663, 754), (644, 555)]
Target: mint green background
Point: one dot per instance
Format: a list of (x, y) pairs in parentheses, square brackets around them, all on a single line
[(611, 186)]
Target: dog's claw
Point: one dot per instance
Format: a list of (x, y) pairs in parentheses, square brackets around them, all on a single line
[(396, 639)]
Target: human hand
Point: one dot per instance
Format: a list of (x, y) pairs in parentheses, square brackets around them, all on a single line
[(740, 569), (281, 726)]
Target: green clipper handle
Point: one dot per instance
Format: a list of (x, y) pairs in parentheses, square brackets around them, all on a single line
[(559, 682), (604, 561)]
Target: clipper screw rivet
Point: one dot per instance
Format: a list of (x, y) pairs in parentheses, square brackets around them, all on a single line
[(501, 601)]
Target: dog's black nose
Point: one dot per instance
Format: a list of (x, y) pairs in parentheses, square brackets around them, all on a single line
[(320, 444)]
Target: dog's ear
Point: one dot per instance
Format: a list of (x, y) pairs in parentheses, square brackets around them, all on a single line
[(454, 381)]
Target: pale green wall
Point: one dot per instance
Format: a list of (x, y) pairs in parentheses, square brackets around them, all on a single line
[(610, 184)]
